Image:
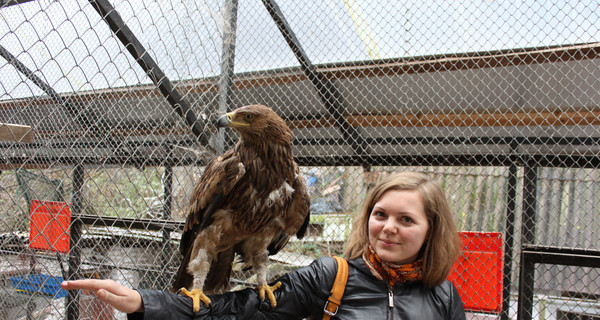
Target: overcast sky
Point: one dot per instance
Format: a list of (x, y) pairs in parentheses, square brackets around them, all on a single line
[(71, 48)]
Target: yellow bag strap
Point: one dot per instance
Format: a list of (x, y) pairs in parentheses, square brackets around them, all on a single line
[(337, 290)]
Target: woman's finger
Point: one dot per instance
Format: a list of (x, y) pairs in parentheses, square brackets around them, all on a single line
[(128, 303), (92, 285), (108, 291)]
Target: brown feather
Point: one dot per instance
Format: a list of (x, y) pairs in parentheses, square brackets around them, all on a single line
[(182, 277), (217, 280), (253, 194)]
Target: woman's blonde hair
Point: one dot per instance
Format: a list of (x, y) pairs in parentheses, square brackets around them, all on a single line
[(442, 245)]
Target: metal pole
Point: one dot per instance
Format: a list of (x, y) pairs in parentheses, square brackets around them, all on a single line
[(331, 97), (509, 234), (74, 109), (75, 252), (166, 234), (8, 3), (527, 268), (227, 69), (147, 63)]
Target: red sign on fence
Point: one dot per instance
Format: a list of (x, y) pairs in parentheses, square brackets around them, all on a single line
[(49, 226), (477, 274)]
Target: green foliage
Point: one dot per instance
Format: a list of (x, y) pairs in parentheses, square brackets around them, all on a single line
[(124, 192), (311, 249)]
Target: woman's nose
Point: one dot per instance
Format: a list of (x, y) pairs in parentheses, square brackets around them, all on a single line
[(390, 227)]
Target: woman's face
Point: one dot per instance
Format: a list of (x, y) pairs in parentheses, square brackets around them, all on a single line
[(398, 226)]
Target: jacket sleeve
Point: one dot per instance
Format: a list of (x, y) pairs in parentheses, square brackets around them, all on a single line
[(457, 310), (158, 304), (302, 292)]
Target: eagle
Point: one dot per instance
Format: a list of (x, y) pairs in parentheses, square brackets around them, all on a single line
[(249, 201)]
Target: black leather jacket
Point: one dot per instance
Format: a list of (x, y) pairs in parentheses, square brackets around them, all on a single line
[(304, 293)]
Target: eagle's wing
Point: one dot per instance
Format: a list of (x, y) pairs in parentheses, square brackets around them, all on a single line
[(219, 178), (300, 209), (297, 216)]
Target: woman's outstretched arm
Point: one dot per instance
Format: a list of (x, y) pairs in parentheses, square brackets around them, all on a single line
[(302, 290), (108, 291)]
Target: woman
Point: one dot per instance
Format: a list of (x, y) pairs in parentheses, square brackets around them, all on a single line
[(403, 244)]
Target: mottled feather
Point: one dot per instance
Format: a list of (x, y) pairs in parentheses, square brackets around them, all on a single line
[(249, 200)]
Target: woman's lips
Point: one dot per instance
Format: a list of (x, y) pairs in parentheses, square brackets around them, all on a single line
[(387, 242)]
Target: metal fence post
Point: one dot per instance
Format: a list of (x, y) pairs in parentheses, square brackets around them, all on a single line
[(509, 232), (75, 253), (166, 234), (222, 140), (527, 268)]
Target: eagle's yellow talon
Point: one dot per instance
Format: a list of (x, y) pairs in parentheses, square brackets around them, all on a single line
[(265, 288), (197, 295)]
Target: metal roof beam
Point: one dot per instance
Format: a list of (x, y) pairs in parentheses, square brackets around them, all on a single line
[(8, 3), (74, 109), (331, 97), (150, 67)]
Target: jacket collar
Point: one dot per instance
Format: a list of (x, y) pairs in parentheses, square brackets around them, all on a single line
[(361, 266)]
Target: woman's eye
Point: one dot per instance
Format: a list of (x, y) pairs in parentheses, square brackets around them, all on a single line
[(378, 214), (406, 219)]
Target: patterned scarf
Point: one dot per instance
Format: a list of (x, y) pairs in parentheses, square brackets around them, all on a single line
[(391, 272)]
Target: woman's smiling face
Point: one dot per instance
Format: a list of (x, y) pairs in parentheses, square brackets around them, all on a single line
[(398, 226)]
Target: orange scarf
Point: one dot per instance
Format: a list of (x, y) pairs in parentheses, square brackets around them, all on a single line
[(391, 272)]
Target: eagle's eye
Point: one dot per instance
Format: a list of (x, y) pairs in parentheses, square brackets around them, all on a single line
[(249, 117)]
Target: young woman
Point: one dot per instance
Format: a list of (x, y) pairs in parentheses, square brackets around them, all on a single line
[(403, 244)]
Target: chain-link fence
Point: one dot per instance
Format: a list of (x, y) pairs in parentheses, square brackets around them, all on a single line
[(107, 111)]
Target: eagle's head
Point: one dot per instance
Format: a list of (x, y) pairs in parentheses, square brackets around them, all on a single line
[(257, 123)]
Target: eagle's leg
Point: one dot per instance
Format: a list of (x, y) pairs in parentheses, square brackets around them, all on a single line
[(197, 295), (199, 267), (265, 289), (261, 262)]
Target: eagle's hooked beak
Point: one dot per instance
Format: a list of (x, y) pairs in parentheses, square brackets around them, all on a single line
[(226, 120)]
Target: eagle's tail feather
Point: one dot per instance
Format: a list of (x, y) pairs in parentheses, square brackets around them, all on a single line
[(302, 231), (217, 280), (278, 244), (183, 279)]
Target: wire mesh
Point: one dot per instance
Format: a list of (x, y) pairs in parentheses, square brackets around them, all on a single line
[(498, 101)]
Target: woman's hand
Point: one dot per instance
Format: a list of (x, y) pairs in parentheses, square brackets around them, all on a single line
[(110, 292)]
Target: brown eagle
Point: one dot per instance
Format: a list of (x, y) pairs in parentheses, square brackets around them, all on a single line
[(249, 201)]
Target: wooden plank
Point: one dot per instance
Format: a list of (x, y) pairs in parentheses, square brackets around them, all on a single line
[(483, 119), (338, 71), (295, 259), (15, 132)]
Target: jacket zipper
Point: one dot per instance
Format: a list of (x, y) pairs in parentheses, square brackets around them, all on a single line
[(390, 302)]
